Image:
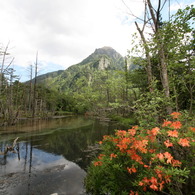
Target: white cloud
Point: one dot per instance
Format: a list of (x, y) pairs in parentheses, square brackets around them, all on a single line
[(181, 4), (64, 32)]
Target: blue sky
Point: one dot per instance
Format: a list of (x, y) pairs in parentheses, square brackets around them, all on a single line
[(65, 32)]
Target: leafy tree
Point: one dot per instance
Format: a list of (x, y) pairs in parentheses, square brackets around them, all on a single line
[(178, 35)]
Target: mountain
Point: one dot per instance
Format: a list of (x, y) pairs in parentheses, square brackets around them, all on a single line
[(48, 76), (102, 60), (116, 60), (105, 58)]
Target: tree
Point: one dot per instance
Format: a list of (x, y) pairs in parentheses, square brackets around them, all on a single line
[(5, 64), (35, 86), (178, 36), (152, 19)]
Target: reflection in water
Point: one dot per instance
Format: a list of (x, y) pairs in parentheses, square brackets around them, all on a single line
[(52, 157)]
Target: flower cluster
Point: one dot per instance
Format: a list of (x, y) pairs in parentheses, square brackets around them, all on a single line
[(154, 152)]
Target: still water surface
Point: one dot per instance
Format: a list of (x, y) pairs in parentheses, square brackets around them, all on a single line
[(52, 155)]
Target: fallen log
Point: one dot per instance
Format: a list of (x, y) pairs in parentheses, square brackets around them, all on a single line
[(10, 148)]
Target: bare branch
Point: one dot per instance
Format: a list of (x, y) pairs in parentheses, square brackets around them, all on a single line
[(15, 142), (131, 13), (4, 56), (151, 9), (9, 64)]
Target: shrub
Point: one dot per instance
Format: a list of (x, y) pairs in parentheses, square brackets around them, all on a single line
[(146, 161)]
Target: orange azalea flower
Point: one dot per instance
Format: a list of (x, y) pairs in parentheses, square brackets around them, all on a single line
[(97, 163), (152, 138), (146, 166), (140, 145), (161, 185), (168, 143), (100, 156), (113, 155), (166, 123), (154, 187), (159, 173), (152, 150), (126, 140), (100, 142), (122, 146), (144, 181), (133, 193), (115, 140), (176, 125), (154, 182), (106, 137), (132, 132), (168, 156), (167, 178), (160, 156), (175, 115), (184, 142), (192, 129), (121, 133), (132, 169), (135, 127), (141, 183), (155, 131), (173, 133), (135, 156), (176, 163)]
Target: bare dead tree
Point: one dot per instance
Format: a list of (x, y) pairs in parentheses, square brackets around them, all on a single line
[(6, 78), (35, 86), (29, 98), (4, 66)]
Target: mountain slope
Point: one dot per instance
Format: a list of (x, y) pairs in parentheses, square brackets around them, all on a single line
[(101, 59), (48, 76)]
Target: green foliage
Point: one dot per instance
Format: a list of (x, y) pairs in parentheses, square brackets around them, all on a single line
[(124, 121), (150, 108), (178, 36)]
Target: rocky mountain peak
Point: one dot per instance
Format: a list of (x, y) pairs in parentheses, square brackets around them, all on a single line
[(104, 51), (109, 51)]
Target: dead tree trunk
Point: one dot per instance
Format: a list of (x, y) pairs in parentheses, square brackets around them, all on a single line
[(149, 64), (35, 86)]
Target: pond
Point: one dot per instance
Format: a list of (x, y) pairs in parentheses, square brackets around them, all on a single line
[(52, 155)]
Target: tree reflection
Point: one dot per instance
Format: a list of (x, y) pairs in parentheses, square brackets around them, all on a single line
[(74, 144)]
